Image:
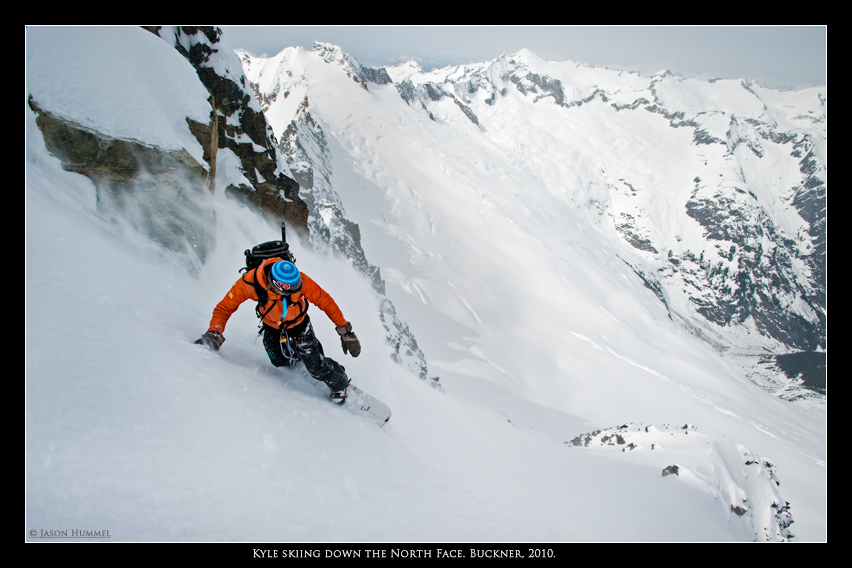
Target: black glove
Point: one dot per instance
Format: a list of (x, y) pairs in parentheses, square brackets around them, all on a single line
[(212, 340), (349, 340)]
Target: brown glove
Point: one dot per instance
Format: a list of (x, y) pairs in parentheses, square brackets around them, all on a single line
[(212, 340), (349, 340)]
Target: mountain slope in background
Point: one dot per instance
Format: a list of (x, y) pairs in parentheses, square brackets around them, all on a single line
[(718, 187), (570, 396)]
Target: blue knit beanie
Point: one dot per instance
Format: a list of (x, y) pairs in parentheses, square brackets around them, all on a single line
[(286, 277)]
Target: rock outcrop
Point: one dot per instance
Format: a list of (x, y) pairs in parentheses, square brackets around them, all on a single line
[(156, 190), (239, 124), (164, 194)]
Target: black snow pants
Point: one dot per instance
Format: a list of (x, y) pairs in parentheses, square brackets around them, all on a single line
[(286, 347)]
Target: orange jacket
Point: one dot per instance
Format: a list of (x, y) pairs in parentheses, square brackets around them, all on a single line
[(272, 311)]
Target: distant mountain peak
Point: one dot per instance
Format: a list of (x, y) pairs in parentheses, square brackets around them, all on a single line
[(738, 248)]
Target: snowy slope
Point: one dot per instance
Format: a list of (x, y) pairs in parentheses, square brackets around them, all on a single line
[(132, 428)]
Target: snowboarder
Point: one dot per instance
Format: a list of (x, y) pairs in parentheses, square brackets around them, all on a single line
[(288, 335)]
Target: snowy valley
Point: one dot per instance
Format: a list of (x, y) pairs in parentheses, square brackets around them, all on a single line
[(570, 283)]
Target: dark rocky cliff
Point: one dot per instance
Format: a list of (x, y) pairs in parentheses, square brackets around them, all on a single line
[(274, 191), (164, 193)]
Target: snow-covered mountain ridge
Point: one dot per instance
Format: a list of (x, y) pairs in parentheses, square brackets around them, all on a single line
[(518, 294), (719, 187)]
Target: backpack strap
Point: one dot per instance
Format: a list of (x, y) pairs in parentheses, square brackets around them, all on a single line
[(262, 295), (303, 308)]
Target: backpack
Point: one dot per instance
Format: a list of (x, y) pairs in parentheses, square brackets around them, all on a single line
[(255, 257), (270, 249)]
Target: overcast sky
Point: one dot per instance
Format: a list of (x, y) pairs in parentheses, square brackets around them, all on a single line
[(775, 55)]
